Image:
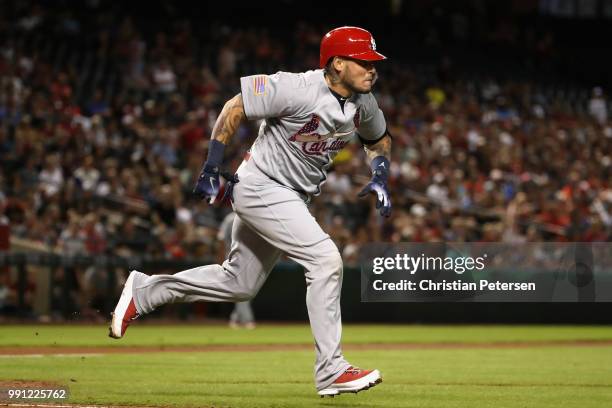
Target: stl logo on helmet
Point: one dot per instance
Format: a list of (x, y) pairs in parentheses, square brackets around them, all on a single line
[(372, 44)]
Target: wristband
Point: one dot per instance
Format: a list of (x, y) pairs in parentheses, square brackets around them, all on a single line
[(215, 153), (380, 167)]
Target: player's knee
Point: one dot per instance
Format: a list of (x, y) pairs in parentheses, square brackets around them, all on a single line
[(245, 294), (331, 261)]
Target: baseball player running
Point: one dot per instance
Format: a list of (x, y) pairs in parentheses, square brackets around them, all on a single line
[(307, 118)]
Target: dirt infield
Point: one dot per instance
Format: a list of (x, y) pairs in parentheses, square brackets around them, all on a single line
[(63, 406), (31, 385), (13, 351), (40, 385), (22, 405)]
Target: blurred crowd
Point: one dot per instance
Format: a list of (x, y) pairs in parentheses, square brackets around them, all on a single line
[(100, 146)]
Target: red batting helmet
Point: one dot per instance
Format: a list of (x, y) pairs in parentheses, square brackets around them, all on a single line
[(353, 42)]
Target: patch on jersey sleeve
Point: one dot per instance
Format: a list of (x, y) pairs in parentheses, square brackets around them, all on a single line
[(259, 84)]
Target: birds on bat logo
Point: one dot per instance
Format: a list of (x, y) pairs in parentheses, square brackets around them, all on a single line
[(314, 143), (309, 132)]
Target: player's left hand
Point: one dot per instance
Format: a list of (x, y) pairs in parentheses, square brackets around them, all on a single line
[(232, 180), (378, 186)]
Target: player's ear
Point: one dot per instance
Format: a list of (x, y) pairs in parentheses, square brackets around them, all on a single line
[(338, 63)]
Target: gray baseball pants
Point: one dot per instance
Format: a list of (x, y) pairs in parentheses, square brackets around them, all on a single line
[(242, 313), (271, 220)]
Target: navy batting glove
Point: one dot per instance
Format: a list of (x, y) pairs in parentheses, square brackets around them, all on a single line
[(378, 185), (207, 186)]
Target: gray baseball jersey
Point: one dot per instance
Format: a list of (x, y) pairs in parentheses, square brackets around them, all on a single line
[(304, 126)]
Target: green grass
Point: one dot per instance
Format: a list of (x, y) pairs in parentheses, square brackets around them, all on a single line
[(552, 376), (195, 335)]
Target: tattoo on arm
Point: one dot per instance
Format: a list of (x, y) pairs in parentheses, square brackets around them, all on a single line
[(381, 148), (229, 120)]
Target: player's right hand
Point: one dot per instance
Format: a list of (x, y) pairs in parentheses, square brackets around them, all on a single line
[(378, 185), (207, 186), (383, 198)]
